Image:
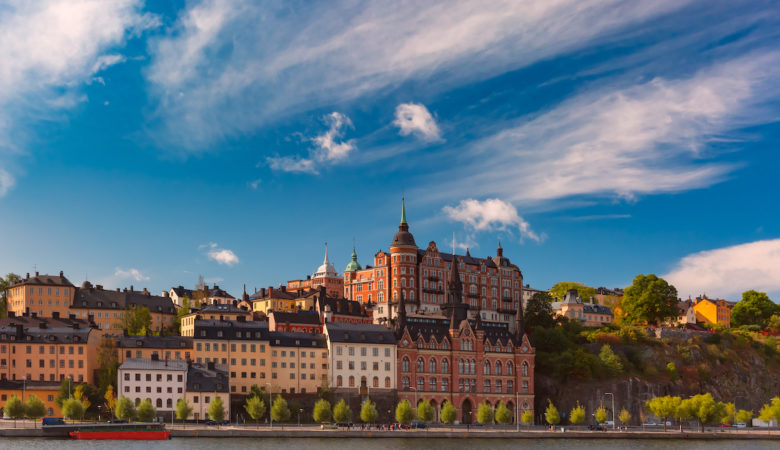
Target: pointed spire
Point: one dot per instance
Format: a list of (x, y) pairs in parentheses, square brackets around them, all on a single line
[(403, 210), (245, 296), (499, 250), (326, 254)]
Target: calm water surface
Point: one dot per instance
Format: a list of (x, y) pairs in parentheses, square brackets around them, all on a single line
[(385, 444)]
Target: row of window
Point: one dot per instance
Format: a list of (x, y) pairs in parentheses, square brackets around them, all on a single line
[(169, 389), (158, 377), (374, 383), (52, 363), (52, 377), (363, 351), (363, 365), (464, 367)]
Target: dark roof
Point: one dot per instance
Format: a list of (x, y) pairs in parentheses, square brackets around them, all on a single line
[(439, 327), (181, 291), (29, 384), (296, 339), (593, 308), (282, 293), (47, 330), (98, 298), (230, 329), (309, 318), (142, 341), (201, 378), (359, 333), (344, 307), (45, 280), (216, 291), (219, 308)]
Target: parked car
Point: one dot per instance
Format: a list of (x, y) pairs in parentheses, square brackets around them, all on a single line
[(725, 425), (344, 424), (419, 425), (214, 422), (740, 425), (52, 421), (649, 424)]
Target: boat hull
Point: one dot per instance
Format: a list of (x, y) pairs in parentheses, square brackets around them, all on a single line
[(136, 435)]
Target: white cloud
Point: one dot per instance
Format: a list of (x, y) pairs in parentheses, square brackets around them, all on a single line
[(220, 255), (255, 183), (414, 118), (6, 182), (328, 148), (490, 215), (132, 274), (230, 67), (727, 272), (647, 138)]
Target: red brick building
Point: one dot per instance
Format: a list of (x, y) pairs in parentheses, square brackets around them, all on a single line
[(325, 275)]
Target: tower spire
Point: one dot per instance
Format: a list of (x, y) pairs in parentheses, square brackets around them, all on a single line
[(326, 254), (403, 210)]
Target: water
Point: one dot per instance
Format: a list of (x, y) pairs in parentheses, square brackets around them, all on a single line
[(385, 444)]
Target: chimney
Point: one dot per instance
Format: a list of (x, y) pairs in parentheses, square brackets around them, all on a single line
[(28, 276), (36, 273), (165, 294), (124, 290), (131, 288), (235, 303), (55, 314), (99, 287), (19, 332), (117, 289), (61, 274), (283, 288)]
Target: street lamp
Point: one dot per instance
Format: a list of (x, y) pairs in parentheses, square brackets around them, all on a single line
[(299, 416), (269, 405), (613, 408)]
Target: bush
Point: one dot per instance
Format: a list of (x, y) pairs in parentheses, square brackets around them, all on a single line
[(610, 360), (671, 369)]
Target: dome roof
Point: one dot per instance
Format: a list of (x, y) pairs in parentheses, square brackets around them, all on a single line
[(326, 269), (353, 265)]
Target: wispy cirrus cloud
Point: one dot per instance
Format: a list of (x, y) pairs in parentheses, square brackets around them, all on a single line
[(727, 272), (491, 215), (414, 118), (220, 255), (229, 67), (130, 274), (328, 148)]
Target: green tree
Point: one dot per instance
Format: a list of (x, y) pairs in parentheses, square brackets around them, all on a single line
[(183, 409), (73, 409), (34, 409), (64, 392), (527, 417), (755, 308), (137, 320), (448, 414), (770, 411), (774, 323), (485, 413), (81, 392), (729, 413), (368, 412), (744, 416), (562, 287), (503, 414), (125, 409), (255, 407), (601, 414), (279, 410), (610, 360), (671, 369), (217, 409), (342, 412), (663, 407), (108, 363), (9, 279), (14, 408), (577, 414), (551, 414), (649, 299), (146, 412), (538, 312), (625, 417), (322, 411), (403, 412), (425, 411), (703, 408)]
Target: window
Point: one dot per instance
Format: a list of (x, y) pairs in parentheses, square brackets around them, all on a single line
[(420, 384), (525, 387), (498, 385), (387, 352), (375, 382), (486, 370), (339, 381), (432, 366), (351, 381), (509, 368), (405, 383), (432, 385), (498, 367), (405, 364), (525, 369), (420, 365), (445, 385), (487, 385), (388, 383), (509, 387), (445, 366)]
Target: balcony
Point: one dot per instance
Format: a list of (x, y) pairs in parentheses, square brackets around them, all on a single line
[(472, 295), (433, 290), (506, 299), (433, 278)]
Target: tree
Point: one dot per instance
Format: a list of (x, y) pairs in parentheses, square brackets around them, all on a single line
[(610, 360), (108, 363), (601, 414), (770, 411), (663, 407), (9, 279), (80, 393), (551, 414), (485, 413), (774, 323), (73, 409), (368, 412), (577, 415), (503, 414), (137, 320), (125, 409), (322, 411), (64, 392), (110, 400), (146, 412), (403, 412), (703, 408), (14, 408), (527, 417), (279, 410), (217, 409), (585, 292), (183, 409), (649, 299), (729, 413), (744, 416), (255, 407), (538, 312), (34, 409), (448, 414), (625, 417), (425, 411), (755, 308), (341, 412)]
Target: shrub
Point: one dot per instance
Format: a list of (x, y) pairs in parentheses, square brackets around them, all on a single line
[(671, 369), (610, 360)]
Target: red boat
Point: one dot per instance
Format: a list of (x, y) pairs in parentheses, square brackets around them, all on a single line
[(143, 432)]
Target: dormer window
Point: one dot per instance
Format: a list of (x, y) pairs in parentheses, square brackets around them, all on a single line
[(139, 343), (99, 304)]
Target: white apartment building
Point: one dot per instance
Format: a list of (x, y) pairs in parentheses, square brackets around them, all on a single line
[(362, 356), (161, 381)]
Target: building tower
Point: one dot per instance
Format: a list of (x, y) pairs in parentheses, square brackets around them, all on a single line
[(327, 276), (403, 261)]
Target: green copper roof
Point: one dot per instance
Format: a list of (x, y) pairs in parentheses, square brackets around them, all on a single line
[(403, 211), (353, 265)]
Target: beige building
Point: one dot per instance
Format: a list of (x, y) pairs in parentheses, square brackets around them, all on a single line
[(42, 294), (362, 356), (161, 381), (589, 314), (214, 311)]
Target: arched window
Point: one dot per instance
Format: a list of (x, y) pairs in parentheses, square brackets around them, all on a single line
[(525, 369), (395, 282), (339, 381), (498, 367), (432, 365), (432, 385), (498, 348), (445, 365), (460, 366), (486, 370), (420, 365), (411, 295), (473, 367), (525, 387), (405, 383), (351, 381), (432, 345), (376, 382), (444, 345), (411, 282), (395, 295), (405, 364), (159, 403), (420, 384), (510, 368), (403, 282)]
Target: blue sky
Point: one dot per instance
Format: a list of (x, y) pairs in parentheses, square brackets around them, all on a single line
[(148, 143)]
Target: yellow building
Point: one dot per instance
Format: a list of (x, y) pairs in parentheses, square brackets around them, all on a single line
[(212, 312), (277, 299), (46, 391), (712, 311), (42, 295)]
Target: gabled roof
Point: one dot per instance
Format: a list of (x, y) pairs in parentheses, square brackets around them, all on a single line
[(359, 333), (181, 291), (44, 280)]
